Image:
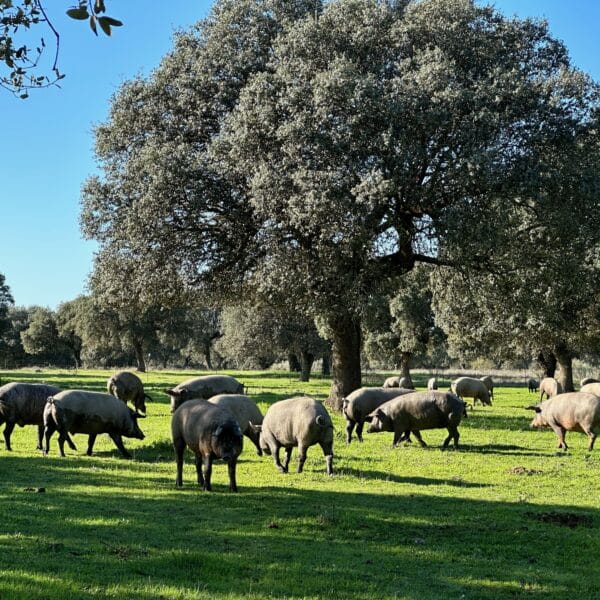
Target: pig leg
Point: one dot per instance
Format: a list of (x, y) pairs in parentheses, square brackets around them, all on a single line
[(61, 442), (40, 437), (359, 430), (207, 472), (398, 437), (199, 469), (179, 446), (275, 453), (560, 434), (231, 470), (349, 429), (301, 457), (49, 429), (91, 441), (327, 448), (592, 436), (452, 434), (288, 456), (10, 425), (118, 440), (421, 441)]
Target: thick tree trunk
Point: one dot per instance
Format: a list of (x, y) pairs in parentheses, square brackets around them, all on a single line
[(547, 362), (294, 363), (564, 376), (405, 360), (139, 356), (207, 356), (345, 358), (306, 362)]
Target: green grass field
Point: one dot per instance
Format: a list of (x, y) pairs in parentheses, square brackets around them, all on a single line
[(504, 516)]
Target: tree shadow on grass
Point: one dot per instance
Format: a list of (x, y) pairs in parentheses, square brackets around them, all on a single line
[(278, 541)]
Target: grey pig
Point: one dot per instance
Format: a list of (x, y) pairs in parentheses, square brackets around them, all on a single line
[(210, 432), (203, 387), (79, 411), (245, 412), (301, 422), (363, 401), (574, 411), (127, 386), (420, 410), (23, 404)]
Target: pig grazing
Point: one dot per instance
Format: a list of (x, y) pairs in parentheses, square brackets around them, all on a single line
[(203, 387), (489, 384), (550, 387), (23, 404), (128, 387), (245, 412), (392, 382), (469, 387), (574, 411), (432, 384), (300, 422), (418, 411), (210, 432), (79, 411), (532, 385), (363, 401)]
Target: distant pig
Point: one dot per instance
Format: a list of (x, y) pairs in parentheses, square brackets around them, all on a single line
[(300, 422), (245, 412), (128, 387), (574, 411), (79, 411), (210, 432), (417, 411), (203, 387), (363, 401), (23, 404)]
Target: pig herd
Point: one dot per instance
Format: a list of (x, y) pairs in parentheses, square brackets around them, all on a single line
[(211, 414)]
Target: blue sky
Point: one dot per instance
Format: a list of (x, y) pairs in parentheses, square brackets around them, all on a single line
[(46, 142)]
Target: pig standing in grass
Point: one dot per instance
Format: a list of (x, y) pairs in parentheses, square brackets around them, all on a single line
[(210, 432), (469, 387), (128, 386), (300, 422), (245, 412), (550, 387), (79, 411), (574, 411), (363, 401), (203, 387), (418, 411), (23, 404)]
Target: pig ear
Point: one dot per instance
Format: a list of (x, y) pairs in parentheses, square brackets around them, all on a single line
[(369, 418), (218, 431), (534, 407), (172, 392)]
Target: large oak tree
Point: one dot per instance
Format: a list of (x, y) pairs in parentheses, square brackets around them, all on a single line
[(308, 152)]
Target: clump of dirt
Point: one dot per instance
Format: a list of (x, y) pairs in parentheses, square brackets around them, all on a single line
[(525, 471), (565, 519)]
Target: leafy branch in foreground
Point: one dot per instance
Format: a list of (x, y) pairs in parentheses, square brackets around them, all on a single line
[(20, 66)]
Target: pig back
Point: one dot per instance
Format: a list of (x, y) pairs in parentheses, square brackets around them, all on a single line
[(429, 409), (24, 402), (363, 401)]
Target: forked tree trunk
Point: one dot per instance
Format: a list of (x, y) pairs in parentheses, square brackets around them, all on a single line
[(306, 362), (547, 362), (345, 355), (564, 376)]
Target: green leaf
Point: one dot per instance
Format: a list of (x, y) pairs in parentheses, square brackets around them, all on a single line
[(105, 25), (81, 13), (93, 24), (113, 22)]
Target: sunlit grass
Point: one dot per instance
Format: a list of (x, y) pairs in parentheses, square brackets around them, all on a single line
[(410, 522)]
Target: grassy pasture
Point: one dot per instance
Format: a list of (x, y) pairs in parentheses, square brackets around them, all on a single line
[(504, 516)]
